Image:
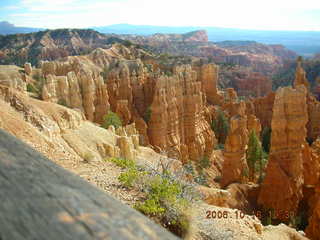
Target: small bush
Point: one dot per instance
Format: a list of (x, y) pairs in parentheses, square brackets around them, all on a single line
[(218, 178), (104, 73), (201, 179), (87, 158), (219, 146), (129, 177), (111, 119), (150, 207), (127, 43), (165, 201), (266, 137), (147, 115), (31, 88), (204, 163), (220, 127), (123, 163), (62, 102), (189, 168)]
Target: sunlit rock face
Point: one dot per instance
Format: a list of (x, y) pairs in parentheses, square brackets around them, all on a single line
[(282, 187), (169, 110)]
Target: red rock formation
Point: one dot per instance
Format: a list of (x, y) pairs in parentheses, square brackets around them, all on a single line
[(252, 84), (235, 165), (263, 109), (231, 105), (282, 187), (313, 125), (313, 229), (300, 77), (208, 74), (311, 163), (177, 122), (169, 112), (254, 124)]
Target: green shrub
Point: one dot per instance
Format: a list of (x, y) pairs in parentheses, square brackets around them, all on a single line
[(160, 192), (127, 43), (147, 115), (219, 146), (201, 179), (129, 177), (189, 168), (218, 178), (111, 119), (164, 200), (123, 163), (266, 137), (220, 126), (204, 163), (31, 88), (104, 73), (62, 102), (254, 155), (87, 158), (150, 207)]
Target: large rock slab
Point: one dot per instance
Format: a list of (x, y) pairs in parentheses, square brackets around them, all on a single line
[(40, 200)]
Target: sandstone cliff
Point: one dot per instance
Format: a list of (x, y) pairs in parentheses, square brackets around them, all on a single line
[(282, 187), (177, 120), (235, 165), (263, 108), (300, 76), (169, 110)]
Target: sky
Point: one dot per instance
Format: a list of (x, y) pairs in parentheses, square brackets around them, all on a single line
[(243, 14)]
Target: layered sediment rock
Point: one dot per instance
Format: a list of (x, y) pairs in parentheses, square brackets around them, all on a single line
[(313, 125), (263, 108), (169, 111), (311, 166), (311, 163), (177, 120), (209, 78), (313, 229), (251, 84), (235, 165), (51, 126), (282, 187), (253, 124), (76, 85), (11, 76), (28, 68), (300, 76)]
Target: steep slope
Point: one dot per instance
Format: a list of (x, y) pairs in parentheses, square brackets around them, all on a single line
[(66, 137), (50, 45)]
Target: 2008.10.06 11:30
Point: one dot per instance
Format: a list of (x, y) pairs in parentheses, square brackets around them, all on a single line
[(238, 214)]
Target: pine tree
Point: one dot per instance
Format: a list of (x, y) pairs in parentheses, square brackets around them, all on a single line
[(254, 155), (266, 137), (220, 126), (111, 119)]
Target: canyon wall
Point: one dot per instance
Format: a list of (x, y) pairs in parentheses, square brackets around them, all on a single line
[(169, 110), (235, 164), (282, 187)]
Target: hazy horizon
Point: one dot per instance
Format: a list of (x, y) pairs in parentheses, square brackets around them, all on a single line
[(247, 14)]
